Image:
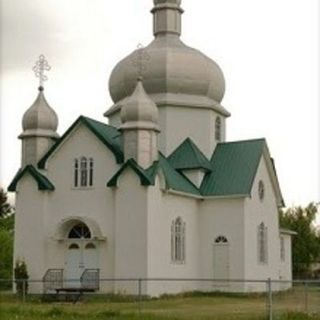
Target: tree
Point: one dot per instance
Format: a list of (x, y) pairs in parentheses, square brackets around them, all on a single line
[(5, 207), (306, 244), (6, 239)]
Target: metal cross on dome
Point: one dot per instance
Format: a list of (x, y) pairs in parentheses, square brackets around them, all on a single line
[(40, 67), (140, 59)]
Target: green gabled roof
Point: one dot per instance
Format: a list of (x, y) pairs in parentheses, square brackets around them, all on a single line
[(145, 178), (108, 135), (234, 166), (188, 156), (43, 182), (174, 179)]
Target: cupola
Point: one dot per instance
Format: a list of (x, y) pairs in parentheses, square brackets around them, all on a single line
[(186, 85), (139, 117), (39, 123)]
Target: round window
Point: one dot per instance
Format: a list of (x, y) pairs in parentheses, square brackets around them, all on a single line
[(261, 190)]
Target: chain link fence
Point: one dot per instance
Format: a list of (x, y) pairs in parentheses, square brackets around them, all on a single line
[(265, 299)]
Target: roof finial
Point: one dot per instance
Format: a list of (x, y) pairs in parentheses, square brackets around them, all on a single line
[(39, 68), (139, 60)]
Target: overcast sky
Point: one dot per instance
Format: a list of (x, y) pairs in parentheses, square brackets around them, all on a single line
[(267, 49)]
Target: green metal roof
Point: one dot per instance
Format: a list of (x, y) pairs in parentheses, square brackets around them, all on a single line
[(43, 182), (145, 178), (174, 180), (234, 166), (108, 135), (188, 156)]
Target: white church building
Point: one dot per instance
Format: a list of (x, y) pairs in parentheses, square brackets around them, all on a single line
[(155, 191)]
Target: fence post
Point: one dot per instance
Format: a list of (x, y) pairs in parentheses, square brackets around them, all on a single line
[(139, 295), (269, 304), (23, 290), (306, 297)]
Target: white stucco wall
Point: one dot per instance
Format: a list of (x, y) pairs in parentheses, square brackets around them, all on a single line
[(195, 176), (163, 208), (222, 217), (256, 212), (178, 123), (131, 236), (30, 229)]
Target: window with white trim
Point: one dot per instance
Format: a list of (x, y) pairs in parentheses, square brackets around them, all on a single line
[(83, 172), (178, 238), (282, 249), (262, 243)]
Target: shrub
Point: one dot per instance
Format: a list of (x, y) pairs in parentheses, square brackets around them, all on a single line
[(21, 276)]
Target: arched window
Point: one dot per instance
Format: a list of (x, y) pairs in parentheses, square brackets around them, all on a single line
[(90, 245), (221, 239), (262, 243), (83, 172), (178, 241), (79, 231), (74, 246), (218, 129)]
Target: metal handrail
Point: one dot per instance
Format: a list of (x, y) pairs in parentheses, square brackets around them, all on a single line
[(90, 279), (52, 279)]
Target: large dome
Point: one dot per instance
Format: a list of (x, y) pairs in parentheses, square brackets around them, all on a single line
[(173, 73), (169, 67)]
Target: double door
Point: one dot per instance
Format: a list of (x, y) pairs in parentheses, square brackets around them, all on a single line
[(80, 255)]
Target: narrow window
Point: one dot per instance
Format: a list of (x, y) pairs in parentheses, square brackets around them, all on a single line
[(90, 172), (218, 129), (282, 249), (178, 241), (261, 190), (76, 172), (83, 172), (262, 243)]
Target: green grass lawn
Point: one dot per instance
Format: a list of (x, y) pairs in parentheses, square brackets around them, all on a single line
[(287, 306)]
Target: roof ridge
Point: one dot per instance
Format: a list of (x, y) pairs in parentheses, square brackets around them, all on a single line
[(195, 159), (97, 121), (144, 176), (242, 141), (197, 152), (43, 182), (109, 142)]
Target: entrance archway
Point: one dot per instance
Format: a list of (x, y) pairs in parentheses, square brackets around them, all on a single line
[(81, 254)]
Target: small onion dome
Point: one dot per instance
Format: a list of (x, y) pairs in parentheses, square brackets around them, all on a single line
[(139, 111), (40, 119)]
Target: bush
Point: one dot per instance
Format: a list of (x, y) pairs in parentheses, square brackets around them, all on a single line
[(21, 276)]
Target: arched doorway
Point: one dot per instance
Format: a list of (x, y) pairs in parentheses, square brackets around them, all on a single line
[(81, 254), (221, 259)]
